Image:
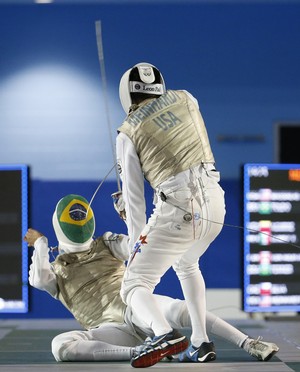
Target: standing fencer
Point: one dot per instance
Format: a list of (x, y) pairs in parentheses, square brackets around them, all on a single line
[(164, 140), (86, 277)]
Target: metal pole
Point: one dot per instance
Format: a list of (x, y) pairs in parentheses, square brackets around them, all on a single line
[(103, 75)]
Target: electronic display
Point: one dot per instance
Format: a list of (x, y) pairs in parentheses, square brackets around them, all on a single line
[(271, 238), (13, 227)]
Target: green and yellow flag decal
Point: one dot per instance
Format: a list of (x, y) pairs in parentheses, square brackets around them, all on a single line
[(76, 218)]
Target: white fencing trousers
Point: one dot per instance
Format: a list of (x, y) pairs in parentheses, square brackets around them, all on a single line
[(170, 238), (113, 342), (110, 341)]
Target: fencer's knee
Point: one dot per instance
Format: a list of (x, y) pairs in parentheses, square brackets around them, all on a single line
[(60, 344), (184, 270), (127, 291), (126, 294), (56, 348)]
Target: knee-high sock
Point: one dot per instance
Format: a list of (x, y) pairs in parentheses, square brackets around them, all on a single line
[(193, 288), (221, 328)]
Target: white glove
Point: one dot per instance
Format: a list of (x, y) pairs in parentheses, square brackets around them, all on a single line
[(119, 204)]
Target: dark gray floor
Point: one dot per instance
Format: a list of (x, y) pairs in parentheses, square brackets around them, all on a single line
[(25, 347)]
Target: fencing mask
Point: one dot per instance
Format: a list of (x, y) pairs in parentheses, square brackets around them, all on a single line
[(74, 224)]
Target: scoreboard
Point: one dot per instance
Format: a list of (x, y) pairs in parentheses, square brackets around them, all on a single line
[(271, 281), (13, 250)]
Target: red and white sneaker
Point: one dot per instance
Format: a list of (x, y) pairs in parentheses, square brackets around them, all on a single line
[(155, 349)]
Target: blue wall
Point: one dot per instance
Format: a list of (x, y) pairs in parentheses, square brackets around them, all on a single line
[(239, 59)]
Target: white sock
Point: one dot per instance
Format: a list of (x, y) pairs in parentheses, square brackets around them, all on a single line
[(219, 327), (193, 288)]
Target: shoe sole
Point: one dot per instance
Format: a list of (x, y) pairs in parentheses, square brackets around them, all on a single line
[(208, 357), (270, 355), (155, 356)]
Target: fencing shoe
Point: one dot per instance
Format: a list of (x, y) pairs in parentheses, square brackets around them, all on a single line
[(204, 353), (155, 349), (259, 349)]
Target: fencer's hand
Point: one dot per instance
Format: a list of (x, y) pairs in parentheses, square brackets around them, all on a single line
[(31, 236), (119, 204)]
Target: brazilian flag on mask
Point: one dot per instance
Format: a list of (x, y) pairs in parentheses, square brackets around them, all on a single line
[(75, 218)]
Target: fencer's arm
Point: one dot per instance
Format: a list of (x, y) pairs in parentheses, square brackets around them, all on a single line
[(41, 275), (117, 244), (132, 186)]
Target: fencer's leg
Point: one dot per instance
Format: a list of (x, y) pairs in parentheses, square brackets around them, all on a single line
[(144, 271), (259, 349), (221, 328), (144, 302), (175, 311), (193, 287), (177, 314), (87, 346)]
